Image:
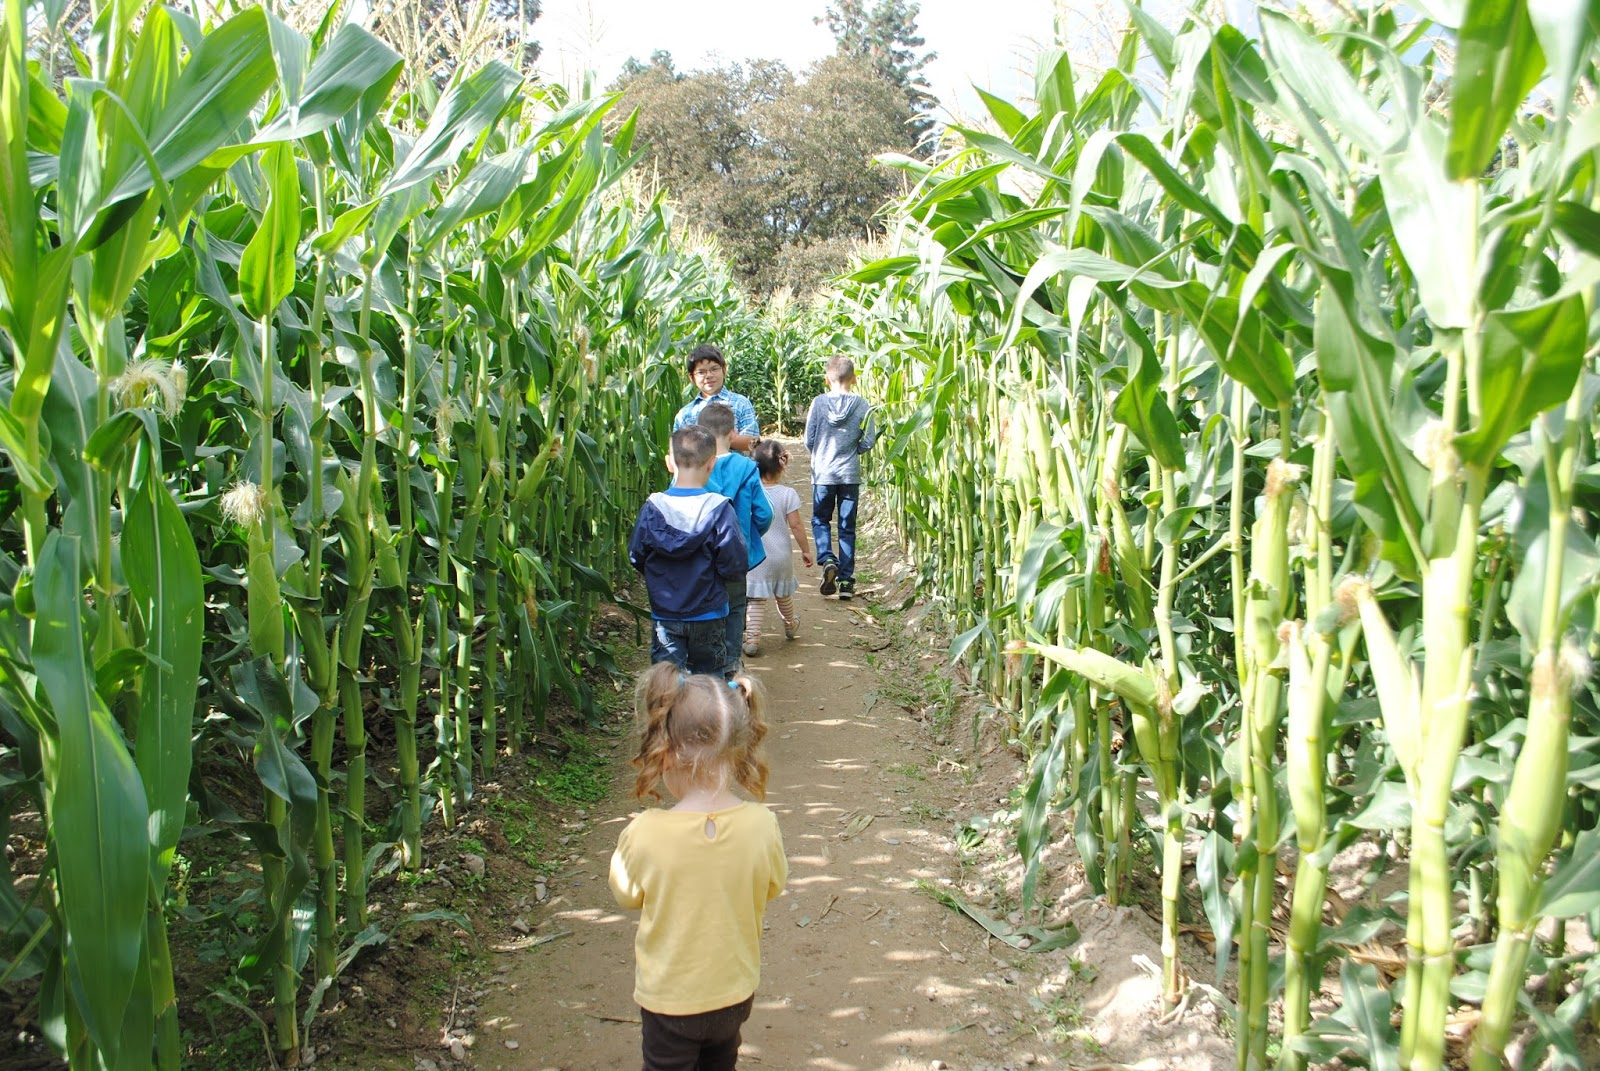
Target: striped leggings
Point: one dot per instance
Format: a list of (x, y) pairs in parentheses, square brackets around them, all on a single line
[(757, 612)]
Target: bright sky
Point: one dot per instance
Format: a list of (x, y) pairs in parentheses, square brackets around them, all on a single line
[(984, 43)]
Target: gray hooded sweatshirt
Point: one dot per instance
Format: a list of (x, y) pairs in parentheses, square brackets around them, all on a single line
[(839, 429)]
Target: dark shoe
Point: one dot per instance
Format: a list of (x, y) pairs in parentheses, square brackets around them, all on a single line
[(830, 574), (847, 589)]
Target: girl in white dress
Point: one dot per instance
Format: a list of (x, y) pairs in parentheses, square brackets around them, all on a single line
[(775, 578)]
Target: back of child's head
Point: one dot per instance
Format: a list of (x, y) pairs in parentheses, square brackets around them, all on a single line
[(717, 419), (693, 446), (841, 370), (707, 728), (768, 457)]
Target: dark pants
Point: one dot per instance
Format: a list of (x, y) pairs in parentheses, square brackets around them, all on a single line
[(733, 637), (692, 646), (705, 1042), (824, 497)]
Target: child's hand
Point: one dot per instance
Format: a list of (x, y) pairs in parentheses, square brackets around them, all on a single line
[(805, 556)]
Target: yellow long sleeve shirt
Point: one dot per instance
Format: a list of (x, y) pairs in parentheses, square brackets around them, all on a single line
[(701, 900)]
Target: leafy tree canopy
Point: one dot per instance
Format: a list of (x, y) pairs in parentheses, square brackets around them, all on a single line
[(779, 167), (885, 35)]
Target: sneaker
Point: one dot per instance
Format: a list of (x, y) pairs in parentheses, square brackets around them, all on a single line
[(830, 574), (752, 648), (847, 589), (791, 629)]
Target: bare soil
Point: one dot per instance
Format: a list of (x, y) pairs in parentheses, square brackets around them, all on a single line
[(873, 774)]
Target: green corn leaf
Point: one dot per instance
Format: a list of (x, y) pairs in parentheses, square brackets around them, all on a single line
[(1142, 405), (97, 806), (1367, 1007), (485, 188), (1565, 30), (1212, 864), (1004, 113), (351, 67), (1573, 891), (214, 96), (267, 266), (464, 112), (1034, 817), (1318, 79), (1498, 61), (1053, 84), (1356, 368), (1532, 358), (1434, 221), (163, 572)]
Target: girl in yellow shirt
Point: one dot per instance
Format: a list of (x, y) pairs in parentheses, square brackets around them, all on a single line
[(700, 873)]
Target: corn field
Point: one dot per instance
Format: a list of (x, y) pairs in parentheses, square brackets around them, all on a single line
[(329, 399), (1242, 412)]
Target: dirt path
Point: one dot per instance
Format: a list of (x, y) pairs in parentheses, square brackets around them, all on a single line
[(862, 970)]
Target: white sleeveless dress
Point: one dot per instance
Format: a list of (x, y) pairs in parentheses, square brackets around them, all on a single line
[(774, 577)]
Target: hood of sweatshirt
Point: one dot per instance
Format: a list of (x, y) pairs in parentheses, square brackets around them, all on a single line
[(840, 410), (687, 523)]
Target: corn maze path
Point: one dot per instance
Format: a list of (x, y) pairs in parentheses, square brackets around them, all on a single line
[(860, 970)]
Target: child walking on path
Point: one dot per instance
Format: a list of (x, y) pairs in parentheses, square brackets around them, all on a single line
[(737, 477), (774, 578), (701, 873), (839, 430), (690, 548)]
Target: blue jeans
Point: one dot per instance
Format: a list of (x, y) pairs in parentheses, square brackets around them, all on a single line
[(824, 497), (692, 646), (738, 603)]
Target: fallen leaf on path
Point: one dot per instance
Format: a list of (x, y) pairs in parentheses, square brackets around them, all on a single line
[(857, 826), (530, 942), (1022, 938)]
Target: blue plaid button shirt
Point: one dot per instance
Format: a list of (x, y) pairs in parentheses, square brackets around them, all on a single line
[(744, 414)]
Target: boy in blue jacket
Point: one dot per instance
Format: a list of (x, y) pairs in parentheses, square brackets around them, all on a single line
[(690, 548), (737, 477)]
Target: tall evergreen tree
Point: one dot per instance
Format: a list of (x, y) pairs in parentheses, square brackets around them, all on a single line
[(885, 35)]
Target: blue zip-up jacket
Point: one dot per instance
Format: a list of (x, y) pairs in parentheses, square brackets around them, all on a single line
[(689, 547), (737, 477)]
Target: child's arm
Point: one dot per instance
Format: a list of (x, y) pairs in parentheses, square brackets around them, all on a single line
[(798, 530), (779, 863), (730, 554), (627, 891), (811, 428), (869, 433), (636, 544), (760, 508)]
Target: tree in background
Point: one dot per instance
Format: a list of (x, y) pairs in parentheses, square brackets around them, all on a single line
[(885, 35), (778, 167)]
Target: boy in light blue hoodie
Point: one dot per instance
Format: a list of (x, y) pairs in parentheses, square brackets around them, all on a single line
[(738, 479), (839, 430)]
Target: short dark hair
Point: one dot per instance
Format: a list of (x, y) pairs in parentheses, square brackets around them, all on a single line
[(769, 457), (705, 352), (693, 446), (841, 369), (717, 419)]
